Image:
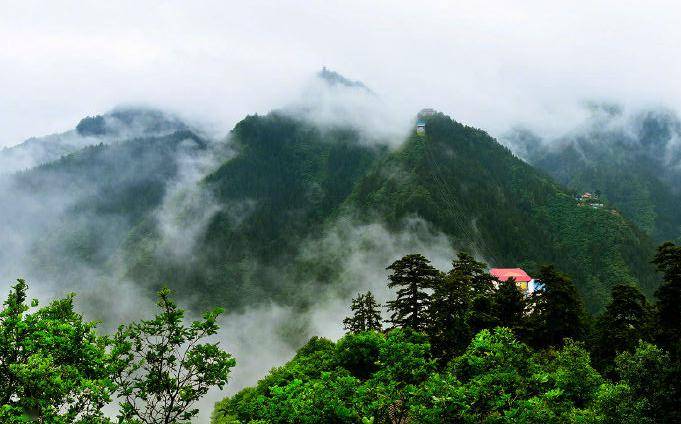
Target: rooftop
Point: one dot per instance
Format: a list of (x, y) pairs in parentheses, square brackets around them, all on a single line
[(503, 274)]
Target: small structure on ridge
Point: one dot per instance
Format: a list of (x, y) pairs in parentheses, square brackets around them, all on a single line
[(421, 127)]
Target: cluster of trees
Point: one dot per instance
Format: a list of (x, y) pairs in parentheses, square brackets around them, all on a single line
[(460, 347), (55, 368)]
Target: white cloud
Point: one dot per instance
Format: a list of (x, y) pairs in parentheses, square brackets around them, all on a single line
[(491, 64)]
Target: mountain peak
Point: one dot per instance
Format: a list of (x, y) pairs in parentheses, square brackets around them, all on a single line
[(129, 121), (334, 78)]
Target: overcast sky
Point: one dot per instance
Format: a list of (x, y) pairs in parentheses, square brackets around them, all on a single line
[(489, 64)]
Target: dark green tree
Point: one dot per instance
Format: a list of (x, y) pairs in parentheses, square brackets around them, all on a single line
[(480, 286), (168, 366), (557, 311), (510, 305), (668, 261), (358, 353), (413, 277), (448, 316), (480, 281), (366, 314), (625, 322), (54, 368)]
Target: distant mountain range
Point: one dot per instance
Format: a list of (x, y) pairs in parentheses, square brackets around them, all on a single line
[(120, 123), (230, 222)]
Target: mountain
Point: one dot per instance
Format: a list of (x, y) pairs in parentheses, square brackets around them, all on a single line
[(118, 124), (272, 212), (290, 182), (286, 180), (332, 78), (633, 160)]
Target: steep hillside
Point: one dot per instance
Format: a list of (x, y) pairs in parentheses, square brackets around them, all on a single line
[(286, 180), (487, 200)]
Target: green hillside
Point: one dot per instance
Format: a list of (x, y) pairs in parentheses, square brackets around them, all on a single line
[(487, 200), (632, 161), (287, 182)]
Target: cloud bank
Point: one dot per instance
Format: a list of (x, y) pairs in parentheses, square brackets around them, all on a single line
[(490, 64)]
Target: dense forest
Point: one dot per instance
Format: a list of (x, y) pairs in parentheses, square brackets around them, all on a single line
[(457, 348)]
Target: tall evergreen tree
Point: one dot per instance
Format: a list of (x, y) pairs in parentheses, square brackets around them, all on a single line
[(625, 322), (479, 279), (449, 311), (366, 314), (480, 287), (557, 310), (412, 276), (668, 261), (509, 306)]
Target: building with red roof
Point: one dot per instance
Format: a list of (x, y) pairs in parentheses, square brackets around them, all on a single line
[(522, 279)]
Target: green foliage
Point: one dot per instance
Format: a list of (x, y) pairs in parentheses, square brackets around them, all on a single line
[(449, 312), (289, 181), (359, 353), (494, 378), (628, 164), (91, 126), (653, 378), (509, 306), (54, 368), (166, 366), (573, 374)]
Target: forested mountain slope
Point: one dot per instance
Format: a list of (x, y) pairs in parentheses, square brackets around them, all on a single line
[(289, 181), (634, 161), (285, 181), (234, 231), (487, 200)]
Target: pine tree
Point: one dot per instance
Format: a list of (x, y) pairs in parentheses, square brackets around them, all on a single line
[(509, 306), (557, 310), (668, 261), (366, 314), (624, 323), (448, 316), (413, 276), (480, 281), (373, 320)]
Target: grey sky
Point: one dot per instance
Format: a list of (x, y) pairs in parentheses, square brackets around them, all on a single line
[(489, 64)]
